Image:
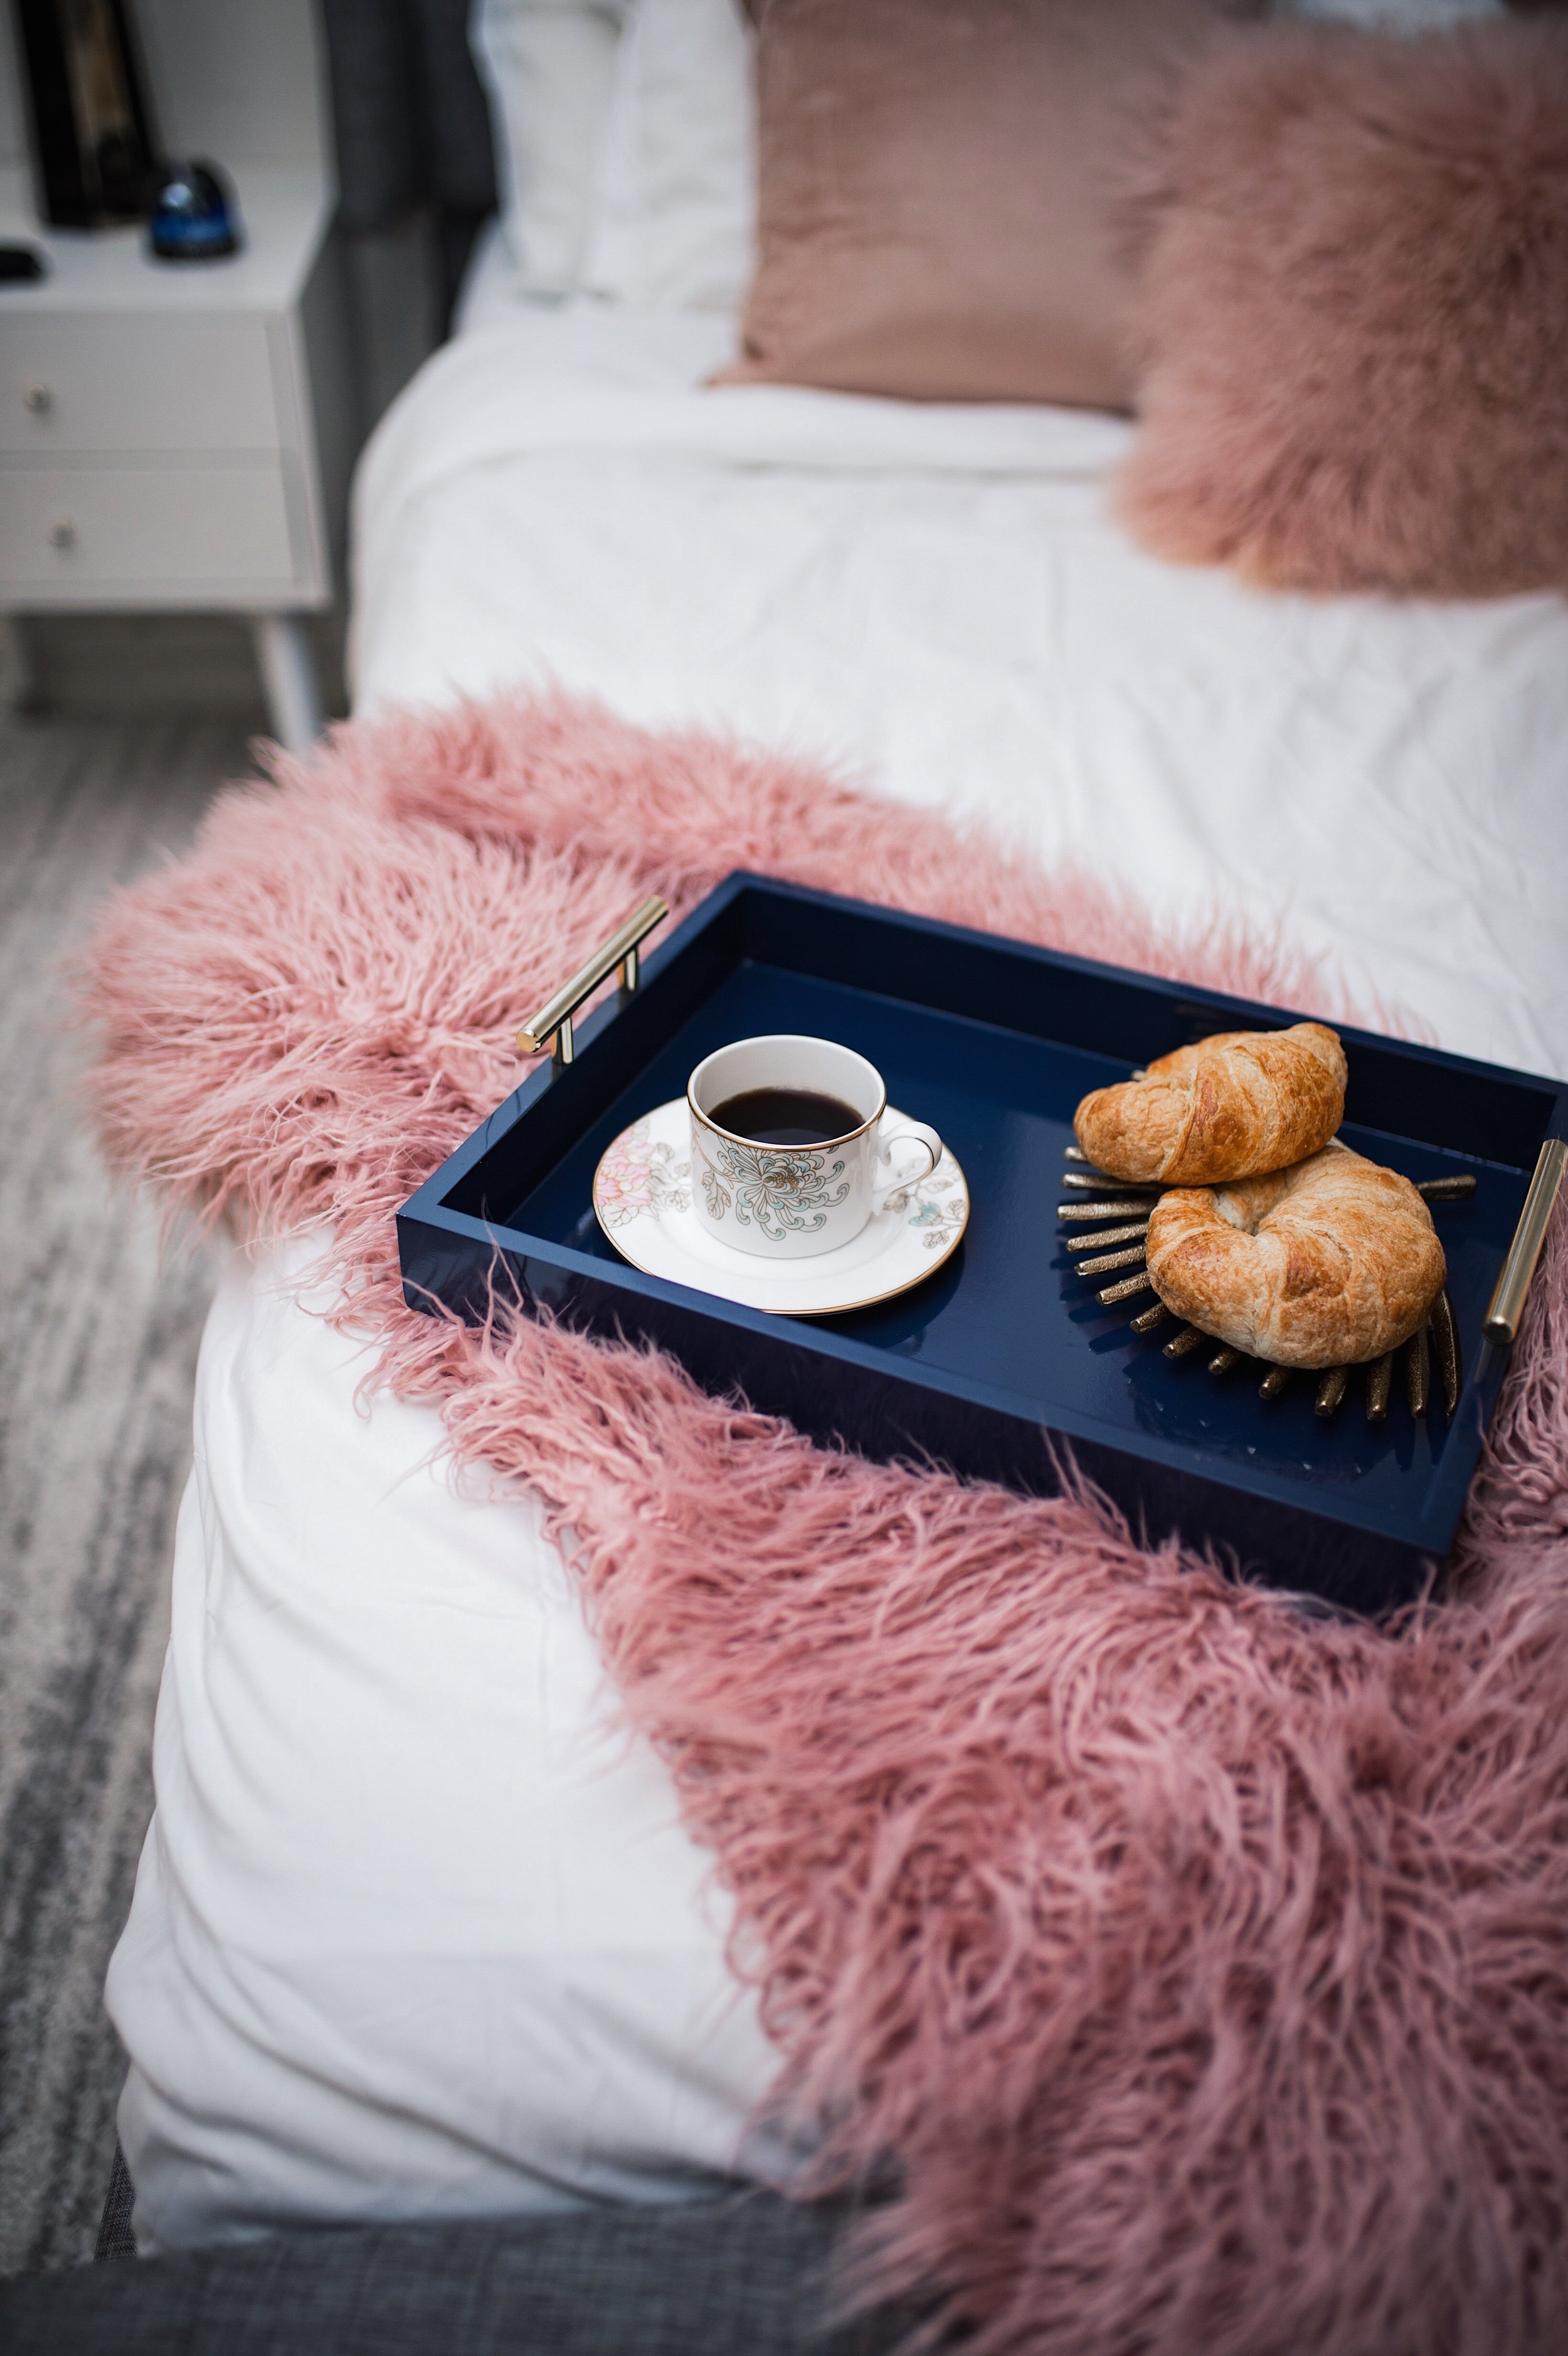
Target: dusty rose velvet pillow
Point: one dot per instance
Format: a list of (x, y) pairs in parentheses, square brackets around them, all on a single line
[(1354, 314), (941, 191)]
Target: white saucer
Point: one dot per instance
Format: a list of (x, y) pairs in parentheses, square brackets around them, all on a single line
[(643, 1197)]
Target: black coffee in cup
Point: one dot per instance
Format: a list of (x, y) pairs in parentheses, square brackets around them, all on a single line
[(785, 1117)]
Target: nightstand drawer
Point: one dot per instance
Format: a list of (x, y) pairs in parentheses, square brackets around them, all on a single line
[(67, 530), (124, 381)]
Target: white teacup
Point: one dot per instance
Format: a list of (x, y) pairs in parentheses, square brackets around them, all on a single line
[(785, 1201)]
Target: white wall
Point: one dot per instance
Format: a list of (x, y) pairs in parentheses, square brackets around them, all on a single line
[(243, 81)]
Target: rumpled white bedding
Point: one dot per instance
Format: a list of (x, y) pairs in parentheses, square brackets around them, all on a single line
[(937, 598), (416, 1934), (417, 1931)]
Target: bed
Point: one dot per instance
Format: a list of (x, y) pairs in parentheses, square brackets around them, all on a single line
[(418, 1932)]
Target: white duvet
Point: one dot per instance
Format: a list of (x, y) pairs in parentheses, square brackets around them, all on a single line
[(937, 599), (417, 1931)]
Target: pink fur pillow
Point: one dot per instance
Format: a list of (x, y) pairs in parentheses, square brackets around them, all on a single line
[(1354, 314)]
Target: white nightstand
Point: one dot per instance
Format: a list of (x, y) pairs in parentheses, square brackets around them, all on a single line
[(180, 435)]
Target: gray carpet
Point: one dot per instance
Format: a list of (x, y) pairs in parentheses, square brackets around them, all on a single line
[(98, 1340)]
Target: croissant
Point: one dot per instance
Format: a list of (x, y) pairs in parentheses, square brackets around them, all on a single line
[(1238, 1103), (1328, 1263)]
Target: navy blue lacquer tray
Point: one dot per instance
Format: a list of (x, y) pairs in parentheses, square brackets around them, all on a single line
[(1006, 1352)]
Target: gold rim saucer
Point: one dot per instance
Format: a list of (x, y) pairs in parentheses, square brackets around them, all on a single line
[(643, 1202)]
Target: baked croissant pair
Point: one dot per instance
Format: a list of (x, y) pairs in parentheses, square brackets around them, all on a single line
[(1274, 1237)]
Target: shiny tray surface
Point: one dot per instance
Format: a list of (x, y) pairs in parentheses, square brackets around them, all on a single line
[(1006, 1348)]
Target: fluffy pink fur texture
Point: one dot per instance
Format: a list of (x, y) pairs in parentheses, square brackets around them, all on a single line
[(1204, 1965), (1354, 314)]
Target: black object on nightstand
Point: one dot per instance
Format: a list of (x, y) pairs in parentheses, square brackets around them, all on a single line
[(92, 135)]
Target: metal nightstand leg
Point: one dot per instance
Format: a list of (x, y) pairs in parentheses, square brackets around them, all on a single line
[(288, 675)]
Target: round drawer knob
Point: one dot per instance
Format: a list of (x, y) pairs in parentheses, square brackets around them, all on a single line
[(38, 400), (62, 535)]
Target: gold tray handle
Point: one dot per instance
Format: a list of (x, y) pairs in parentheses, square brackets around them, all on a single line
[(553, 1019), (1508, 1301)]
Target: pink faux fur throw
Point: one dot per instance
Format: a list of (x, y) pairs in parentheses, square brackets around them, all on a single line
[(1354, 314), (1203, 1966)]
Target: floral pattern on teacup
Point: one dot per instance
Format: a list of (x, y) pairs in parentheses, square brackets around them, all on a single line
[(774, 1187), (639, 1176), (937, 1205)]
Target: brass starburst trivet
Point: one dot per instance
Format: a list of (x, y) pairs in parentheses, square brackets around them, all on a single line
[(1116, 1211)]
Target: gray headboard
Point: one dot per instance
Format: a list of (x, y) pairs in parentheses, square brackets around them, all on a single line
[(411, 122)]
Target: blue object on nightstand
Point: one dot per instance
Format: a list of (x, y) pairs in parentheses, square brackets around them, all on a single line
[(194, 216)]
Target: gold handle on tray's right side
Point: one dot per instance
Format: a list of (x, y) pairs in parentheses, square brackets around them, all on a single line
[(1508, 1301)]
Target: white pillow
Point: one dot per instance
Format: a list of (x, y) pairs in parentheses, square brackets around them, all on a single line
[(677, 215), (549, 67)]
